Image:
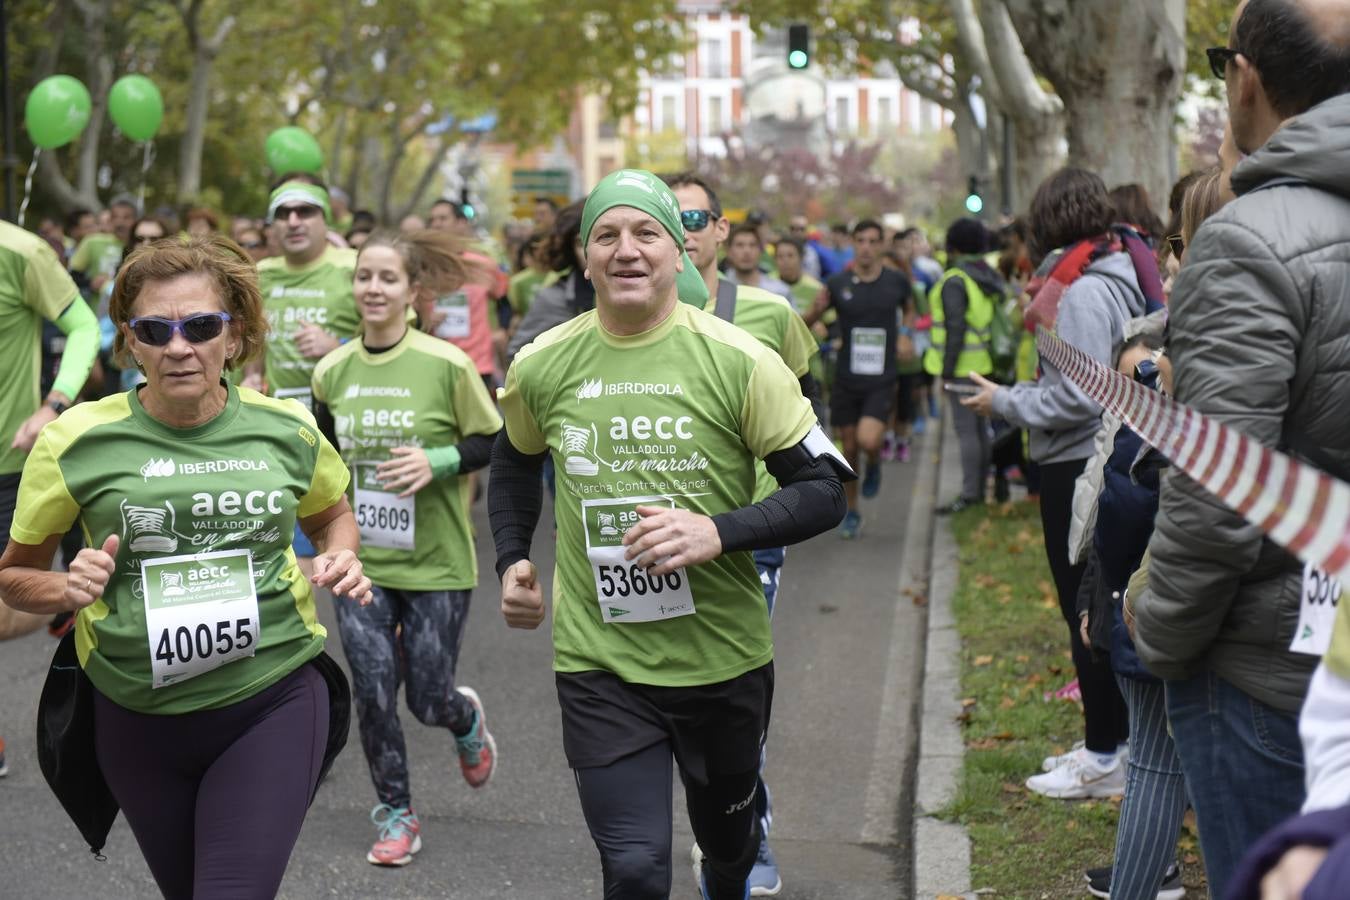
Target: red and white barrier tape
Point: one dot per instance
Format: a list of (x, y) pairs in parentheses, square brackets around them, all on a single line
[(1299, 507)]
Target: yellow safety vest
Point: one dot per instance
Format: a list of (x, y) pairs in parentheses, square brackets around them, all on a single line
[(979, 314)]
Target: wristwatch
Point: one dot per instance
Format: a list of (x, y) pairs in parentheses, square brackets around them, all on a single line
[(57, 406)]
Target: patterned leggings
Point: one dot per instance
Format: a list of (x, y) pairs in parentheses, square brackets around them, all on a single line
[(411, 637)]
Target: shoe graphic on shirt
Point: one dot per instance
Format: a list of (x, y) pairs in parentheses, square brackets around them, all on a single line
[(576, 443), (145, 527)]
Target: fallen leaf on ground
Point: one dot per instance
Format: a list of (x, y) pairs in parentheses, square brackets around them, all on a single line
[(983, 660), (1007, 703), (1023, 658), (1071, 825), (1010, 788), (920, 600)]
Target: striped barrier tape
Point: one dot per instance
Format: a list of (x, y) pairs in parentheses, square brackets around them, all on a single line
[(1299, 507)]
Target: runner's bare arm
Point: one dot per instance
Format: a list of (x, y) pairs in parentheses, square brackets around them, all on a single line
[(28, 584), (818, 307), (334, 533)]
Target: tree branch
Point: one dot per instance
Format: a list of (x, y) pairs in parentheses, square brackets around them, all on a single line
[(1020, 91)]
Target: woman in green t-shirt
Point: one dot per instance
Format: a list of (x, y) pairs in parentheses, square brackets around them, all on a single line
[(211, 712), (411, 417)]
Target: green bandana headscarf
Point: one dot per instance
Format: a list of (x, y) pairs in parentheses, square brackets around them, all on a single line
[(299, 192), (643, 190)]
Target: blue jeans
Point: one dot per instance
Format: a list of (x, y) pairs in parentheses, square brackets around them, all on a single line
[(1244, 768), (1155, 796), (769, 564)]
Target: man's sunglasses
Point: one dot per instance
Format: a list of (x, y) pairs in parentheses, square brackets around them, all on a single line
[(1219, 58), (195, 329), (695, 219), (304, 211)]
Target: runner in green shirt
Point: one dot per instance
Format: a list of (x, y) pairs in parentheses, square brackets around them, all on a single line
[(654, 413), (307, 292), (772, 321), (411, 418), (195, 626)]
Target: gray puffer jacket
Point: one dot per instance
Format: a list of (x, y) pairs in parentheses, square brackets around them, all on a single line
[(1259, 339)]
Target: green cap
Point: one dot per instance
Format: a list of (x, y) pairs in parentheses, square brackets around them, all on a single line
[(299, 192), (643, 190)]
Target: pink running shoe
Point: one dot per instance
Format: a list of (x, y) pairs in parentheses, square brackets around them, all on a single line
[(400, 836), (477, 750)]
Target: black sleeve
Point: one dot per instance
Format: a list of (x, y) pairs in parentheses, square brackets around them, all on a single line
[(810, 501), (515, 499), (475, 451), (811, 391), (954, 320), (324, 417)]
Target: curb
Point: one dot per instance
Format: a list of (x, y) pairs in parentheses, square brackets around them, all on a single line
[(941, 849)]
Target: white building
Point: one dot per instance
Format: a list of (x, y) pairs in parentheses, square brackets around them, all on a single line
[(728, 78)]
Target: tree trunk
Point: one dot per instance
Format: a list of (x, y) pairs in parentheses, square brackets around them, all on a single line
[(971, 147), (99, 69), (1037, 151), (1119, 76), (204, 52)]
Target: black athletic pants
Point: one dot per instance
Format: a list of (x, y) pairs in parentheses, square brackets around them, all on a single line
[(627, 805), (216, 798), (1106, 718)]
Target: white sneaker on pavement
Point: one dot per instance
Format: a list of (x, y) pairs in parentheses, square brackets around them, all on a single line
[(1050, 763), (1082, 777)]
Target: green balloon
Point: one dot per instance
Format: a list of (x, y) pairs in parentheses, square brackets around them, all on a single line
[(57, 111), (292, 149), (136, 107)]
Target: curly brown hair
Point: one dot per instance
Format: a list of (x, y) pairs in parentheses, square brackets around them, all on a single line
[(1070, 205), (213, 255)]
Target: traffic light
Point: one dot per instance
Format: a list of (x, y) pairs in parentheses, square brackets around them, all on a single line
[(799, 46), (974, 202)]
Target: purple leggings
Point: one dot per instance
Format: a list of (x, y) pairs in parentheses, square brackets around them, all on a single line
[(216, 798)]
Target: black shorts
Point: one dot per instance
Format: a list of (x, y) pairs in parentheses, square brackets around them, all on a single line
[(850, 402), (715, 729)]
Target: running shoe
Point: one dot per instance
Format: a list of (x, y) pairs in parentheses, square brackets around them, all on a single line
[(1050, 763), (1081, 778), (932, 405), (696, 855), (851, 526), (902, 451), (764, 878), (920, 425), (4, 768), (477, 749), (871, 485), (1172, 887), (888, 448), (957, 505), (400, 836)]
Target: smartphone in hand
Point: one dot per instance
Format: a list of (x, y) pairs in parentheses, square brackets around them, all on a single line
[(963, 389)]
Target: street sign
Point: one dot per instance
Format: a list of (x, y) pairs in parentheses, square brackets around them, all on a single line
[(526, 184)]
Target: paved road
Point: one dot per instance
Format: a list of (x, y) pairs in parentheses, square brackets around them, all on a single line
[(842, 739)]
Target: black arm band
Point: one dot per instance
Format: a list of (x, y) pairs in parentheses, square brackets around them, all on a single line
[(810, 501), (475, 451), (515, 499), (323, 416)]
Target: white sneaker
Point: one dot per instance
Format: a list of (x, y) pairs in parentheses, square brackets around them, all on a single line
[(1050, 763), (1082, 777)]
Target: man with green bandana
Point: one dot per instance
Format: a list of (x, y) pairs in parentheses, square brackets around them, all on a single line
[(654, 413), (34, 286), (769, 318), (307, 294)]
